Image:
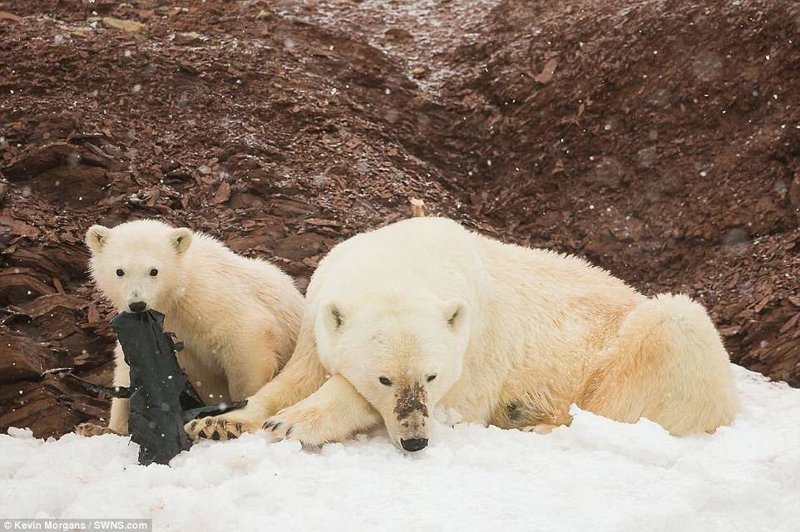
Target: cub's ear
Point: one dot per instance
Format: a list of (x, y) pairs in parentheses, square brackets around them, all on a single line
[(455, 313), (181, 239), (97, 237), (334, 317)]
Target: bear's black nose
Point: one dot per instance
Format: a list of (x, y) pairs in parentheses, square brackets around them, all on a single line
[(414, 444), (137, 306)]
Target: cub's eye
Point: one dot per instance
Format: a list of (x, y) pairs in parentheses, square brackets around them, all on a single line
[(120, 273), (431, 377), (385, 381), (153, 272)]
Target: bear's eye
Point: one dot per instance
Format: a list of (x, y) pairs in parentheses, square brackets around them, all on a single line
[(385, 381), (153, 272), (431, 377), (120, 273)]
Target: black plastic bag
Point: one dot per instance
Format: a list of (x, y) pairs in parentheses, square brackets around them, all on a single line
[(162, 399)]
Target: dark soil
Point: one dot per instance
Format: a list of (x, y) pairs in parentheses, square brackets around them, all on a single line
[(659, 139)]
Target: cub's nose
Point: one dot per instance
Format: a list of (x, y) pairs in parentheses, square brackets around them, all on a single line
[(414, 444), (137, 306)]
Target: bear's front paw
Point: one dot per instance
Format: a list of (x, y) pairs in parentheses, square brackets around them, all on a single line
[(217, 428), (305, 425), (91, 429)]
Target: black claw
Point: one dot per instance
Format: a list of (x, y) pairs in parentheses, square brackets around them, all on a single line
[(239, 428), (215, 436), (231, 435), (289, 431), (269, 425)]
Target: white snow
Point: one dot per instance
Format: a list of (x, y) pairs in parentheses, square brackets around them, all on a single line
[(595, 475)]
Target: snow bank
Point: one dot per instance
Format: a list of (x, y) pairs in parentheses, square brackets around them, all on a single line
[(595, 475)]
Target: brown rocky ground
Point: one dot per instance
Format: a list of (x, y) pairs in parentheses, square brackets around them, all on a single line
[(660, 139)]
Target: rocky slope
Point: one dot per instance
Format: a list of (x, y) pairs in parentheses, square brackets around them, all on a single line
[(659, 139)]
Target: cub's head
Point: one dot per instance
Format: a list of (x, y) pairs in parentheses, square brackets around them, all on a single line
[(137, 265), (402, 359)]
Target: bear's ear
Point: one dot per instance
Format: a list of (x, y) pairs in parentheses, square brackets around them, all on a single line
[(334, 317), (97, 237), (455, 313), (181, 239)]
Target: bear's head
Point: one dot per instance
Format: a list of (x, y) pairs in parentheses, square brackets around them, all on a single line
[(402, 358), (138, 265)]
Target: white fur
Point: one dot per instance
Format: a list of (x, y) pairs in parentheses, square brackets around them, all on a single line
[(514, 336), (237, 317)]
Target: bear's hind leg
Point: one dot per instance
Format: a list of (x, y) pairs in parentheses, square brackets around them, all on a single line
[(205, 374), (667, 364), (530, 408), (251, 362)]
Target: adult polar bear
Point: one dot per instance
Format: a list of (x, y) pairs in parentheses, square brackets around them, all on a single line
[(423, 313)]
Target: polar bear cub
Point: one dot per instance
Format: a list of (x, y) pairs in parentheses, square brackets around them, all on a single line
[(238, 318), (424, 313)]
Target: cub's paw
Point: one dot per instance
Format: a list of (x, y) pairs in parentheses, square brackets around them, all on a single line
[(91, 429), (218, 428), (306, 425)]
